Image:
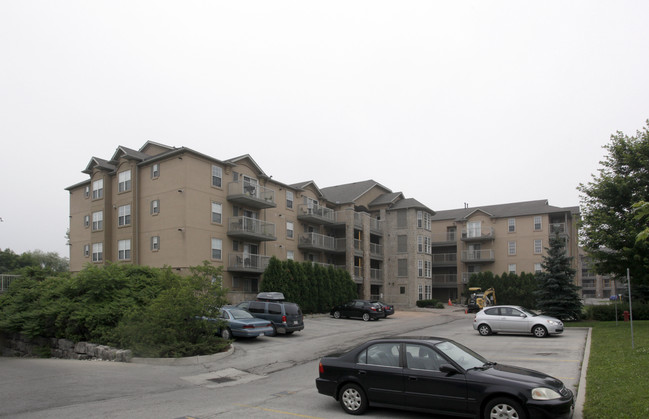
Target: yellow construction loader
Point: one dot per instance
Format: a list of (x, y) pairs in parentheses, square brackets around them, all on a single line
[(479, 300)]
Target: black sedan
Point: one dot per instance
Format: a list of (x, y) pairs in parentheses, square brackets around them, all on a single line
[(363, 309), (440, 376)]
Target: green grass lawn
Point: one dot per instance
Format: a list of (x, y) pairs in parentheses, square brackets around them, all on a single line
[(617, 382)]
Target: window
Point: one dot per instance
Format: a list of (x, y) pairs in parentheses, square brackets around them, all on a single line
[(124, 215), (424, 245), (124, 249), (290, 255), (511, 268), (86, 250), (217, 213), (511, 225), (97, 220), (423, 220), (402, 219), (86, 192), (124, 181), (155, 206), (155, 243), (155, 171), (289, 230), (511, 248), (424, 268), (289, 199), (86, 221), (98, 189), (420, 357), (217, 176), (537, 268), (474, 229), (402, 267), (97, 252), (537, 223), (450, 233), (217, 249), (420, 268), (382, 354), (402, 290), (538, 246), (402, 244)]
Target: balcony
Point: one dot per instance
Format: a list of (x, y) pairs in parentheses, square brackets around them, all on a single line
[(358, 273), (376, 276), (251, 195), (376, 251), (477, 256), (315, 214), (444, 259), (444, 280), (478, 235), (449, 240), (376, 226), (320, 242), (558, 228), (239, 262), (247, 228)]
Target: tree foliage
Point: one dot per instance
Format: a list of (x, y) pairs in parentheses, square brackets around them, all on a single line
[(558, 296), (315, 288), (610, 223), (152, 311), (49, 263)]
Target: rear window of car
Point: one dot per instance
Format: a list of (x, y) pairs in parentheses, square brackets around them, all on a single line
[(292, 309)]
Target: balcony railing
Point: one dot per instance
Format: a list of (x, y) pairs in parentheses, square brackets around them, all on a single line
[(315, 241), (5, 280), (241, 262), (376, 274), (375, 225), (478, 235), (477, 256), (316, 214), (449, 259), (251, 195), (444, 279), (358, 271), (251, 228), (376, 250), (558, 228)]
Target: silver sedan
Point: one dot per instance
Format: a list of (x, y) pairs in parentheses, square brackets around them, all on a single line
[(515, 319)]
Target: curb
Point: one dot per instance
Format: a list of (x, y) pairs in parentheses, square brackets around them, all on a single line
[(192, 360), (581, 390)]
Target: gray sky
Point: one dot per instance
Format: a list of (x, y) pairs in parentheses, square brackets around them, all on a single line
[(449, 102)]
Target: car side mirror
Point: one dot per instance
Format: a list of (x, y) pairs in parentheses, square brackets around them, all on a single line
[(523, 315), (448, 369)]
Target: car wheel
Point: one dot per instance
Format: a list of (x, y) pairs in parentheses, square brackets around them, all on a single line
[(540, 331), (352, 399), (226, 334), (336, 314), (504, 408), (484, 330), (366, 317), (274, 332)]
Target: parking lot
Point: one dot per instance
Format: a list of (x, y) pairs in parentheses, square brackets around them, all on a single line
[(267, 377)]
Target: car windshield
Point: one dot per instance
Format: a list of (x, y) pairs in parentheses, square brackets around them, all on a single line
[(462, 355), (237, 313), (528, 312)]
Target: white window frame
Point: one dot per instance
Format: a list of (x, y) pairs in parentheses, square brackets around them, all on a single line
[(290, 230), (538, 268), (511, 268), (155, 207), (155, 243), (124, 249), (217, 212), (124, 181), (511, 247), (538, 246), (289, 199), (155, 170), (538, 223), (97, 252), (86, 250), (97, 221), (86, 192), (98, 189), (290, 255), (124, 215), (217, 176), (217, 249), (86, 221), (511, 225), (474, 229)]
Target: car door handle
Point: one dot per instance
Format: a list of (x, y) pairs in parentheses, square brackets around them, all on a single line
[(411, 378), (362, 372)]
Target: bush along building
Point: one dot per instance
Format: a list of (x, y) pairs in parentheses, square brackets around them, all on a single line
[(167, 206)]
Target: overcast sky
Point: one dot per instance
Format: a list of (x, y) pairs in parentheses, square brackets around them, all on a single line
[(482, 102)]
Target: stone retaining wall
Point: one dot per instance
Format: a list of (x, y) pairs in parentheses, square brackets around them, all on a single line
[(18, 345)]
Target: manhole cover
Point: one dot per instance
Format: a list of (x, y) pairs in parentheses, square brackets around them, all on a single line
[(221, 379)]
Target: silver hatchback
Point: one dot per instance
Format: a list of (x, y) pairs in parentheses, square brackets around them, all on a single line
[(515, 319)]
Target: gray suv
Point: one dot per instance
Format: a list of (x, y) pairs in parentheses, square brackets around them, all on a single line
[(285, 317)]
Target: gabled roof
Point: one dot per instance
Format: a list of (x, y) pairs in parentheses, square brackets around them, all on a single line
[(387, 199), (100, 163), (505, 210), (156, 144), (303, 185), (350, 192), (128, 154), (410, 203), (235, 160)]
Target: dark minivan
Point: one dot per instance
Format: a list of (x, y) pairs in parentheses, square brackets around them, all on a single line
[(286, 317)]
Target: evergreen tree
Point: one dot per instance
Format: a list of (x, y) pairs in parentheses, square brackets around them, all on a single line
[(557, 295)]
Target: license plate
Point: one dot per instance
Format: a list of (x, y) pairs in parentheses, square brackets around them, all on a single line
[(295, 322)]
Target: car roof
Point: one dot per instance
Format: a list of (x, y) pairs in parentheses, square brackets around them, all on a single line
[(420, 339)]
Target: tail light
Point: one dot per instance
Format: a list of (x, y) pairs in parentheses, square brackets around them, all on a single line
[(283, 319), (321, 368), (248, 326), (373, 308)]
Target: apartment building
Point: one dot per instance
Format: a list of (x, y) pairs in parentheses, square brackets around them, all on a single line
[(596, 286), (498, 238), (166, 206)]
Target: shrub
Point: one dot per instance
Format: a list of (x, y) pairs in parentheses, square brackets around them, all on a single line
[(429, 304)]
